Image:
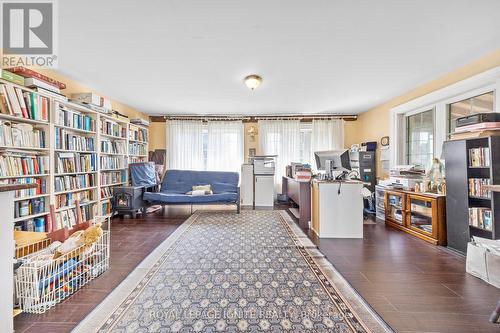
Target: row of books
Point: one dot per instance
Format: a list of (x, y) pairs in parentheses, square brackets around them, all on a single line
[(112, 162), (113, 147), (106, 207), (136, 159), (480, 217), (13, 165), (479, 157), (67, 183), (110, 127), (135, 148), (67, 218), (24, 104), (113, 177), (137, 133), (29, 207), (106, 192), (68, 199), (40, 189), (75, 119), (21, 135), (37, 224), (70, 141), (75, 162), (477, 189)]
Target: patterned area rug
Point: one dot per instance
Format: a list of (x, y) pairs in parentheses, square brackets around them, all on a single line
[(223, 272)]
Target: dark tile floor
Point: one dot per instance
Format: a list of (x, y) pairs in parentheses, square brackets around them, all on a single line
[(414, 286)]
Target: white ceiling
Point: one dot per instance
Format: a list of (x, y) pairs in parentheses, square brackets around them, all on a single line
[(189, 57)]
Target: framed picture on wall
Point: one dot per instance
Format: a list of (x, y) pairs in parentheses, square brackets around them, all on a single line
[(251, 152)]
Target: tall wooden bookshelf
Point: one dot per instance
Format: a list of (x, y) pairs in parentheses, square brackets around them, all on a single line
[(138, 143), (474, 210), (102, 140)]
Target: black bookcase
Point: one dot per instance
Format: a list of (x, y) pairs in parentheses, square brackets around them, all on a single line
[(463, 206)]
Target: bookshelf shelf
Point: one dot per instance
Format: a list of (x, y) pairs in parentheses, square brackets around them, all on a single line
[(114, 184), (78, 130), (75, 151), (60, 209), (76, 190), (112, 136), (23, 120), (25, 176), (32, 197), (23, 149), (28, 217), (109, 170), (113, 154), (138, 141), (75, 173)]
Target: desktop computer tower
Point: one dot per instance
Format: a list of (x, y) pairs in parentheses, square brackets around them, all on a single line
[(367, 169)]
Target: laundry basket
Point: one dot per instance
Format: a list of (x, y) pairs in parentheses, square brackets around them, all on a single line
[(42, 282)]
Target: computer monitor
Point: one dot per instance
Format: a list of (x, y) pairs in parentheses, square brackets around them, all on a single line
[(339, 158)]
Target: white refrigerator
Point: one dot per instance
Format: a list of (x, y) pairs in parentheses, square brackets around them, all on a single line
[(256, 190)]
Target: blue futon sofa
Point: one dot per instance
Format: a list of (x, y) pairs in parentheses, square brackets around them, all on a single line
[(177, 183)]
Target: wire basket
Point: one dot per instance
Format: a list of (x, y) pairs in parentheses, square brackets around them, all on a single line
[(42, 282)]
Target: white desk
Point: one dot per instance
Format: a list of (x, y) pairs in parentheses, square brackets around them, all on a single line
[(337, 215)]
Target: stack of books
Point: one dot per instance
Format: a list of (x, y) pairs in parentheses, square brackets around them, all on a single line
[(113, 147), (21, 135), (37, 224), (39, 190), (106, 192), (479, 157), (477, 189), (480, 217), (68, 183), (13, 165), (68, 199), (111, 162), (138, 134), (75, 162), (29, 207), (113, 177), (74, 119), (70, 141), (110, 127), (27, 105), (136, 148)]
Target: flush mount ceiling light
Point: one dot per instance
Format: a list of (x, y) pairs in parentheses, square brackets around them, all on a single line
[(253, 81)]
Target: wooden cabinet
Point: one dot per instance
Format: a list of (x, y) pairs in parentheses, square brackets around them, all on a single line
[(419, 214)]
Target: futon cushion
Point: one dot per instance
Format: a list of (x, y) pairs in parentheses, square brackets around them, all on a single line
[(182, 181), (180, 198)]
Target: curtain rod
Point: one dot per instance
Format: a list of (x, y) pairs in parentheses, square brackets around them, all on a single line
[(346, 117)]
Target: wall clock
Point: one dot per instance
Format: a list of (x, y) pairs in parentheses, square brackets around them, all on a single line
[(384, 141)]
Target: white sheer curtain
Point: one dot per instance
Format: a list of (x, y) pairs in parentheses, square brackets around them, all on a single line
[(225, 146), (326, 135), (185, 142), (282, 138)]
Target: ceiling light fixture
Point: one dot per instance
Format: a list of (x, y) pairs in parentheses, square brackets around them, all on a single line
[(253, 81)]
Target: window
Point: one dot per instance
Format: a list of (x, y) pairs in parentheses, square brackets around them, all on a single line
[(420, 138), (305, 142), (474, 105)]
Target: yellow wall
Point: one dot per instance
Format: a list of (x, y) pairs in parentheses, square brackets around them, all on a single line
[(157, 135), (374, 124), (76, 87)]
